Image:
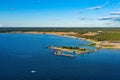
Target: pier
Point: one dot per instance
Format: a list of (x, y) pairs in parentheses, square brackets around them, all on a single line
[(59, 53)]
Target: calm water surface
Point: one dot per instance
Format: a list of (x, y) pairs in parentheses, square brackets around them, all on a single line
[(22, 53)]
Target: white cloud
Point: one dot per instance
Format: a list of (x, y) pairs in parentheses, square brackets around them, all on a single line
[(110, 18), (105, 18), (105, 4), (115, 13), (95, 8), (98, 7), (79, 11)]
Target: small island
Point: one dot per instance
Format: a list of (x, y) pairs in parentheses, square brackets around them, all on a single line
[(59, 50)]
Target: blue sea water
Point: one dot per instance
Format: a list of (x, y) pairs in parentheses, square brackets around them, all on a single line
[(22, 53)]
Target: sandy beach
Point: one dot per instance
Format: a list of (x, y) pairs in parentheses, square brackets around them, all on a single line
[(105, 44)]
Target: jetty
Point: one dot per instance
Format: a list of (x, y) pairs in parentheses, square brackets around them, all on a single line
[(59, 53)]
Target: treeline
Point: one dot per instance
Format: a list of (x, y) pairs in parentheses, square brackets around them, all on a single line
[(69, 47), (105, 36), (93, 44), (57, 29), (109, 34)]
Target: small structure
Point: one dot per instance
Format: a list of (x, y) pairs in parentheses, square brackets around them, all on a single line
[(90, 34), (99, 31), (33, 71)]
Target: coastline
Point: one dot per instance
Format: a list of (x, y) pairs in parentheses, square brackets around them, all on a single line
[(105, 44)]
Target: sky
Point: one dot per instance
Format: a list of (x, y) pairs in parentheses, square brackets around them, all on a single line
[(59, 13)]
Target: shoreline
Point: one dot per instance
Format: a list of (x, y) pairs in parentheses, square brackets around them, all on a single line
[(105, 44)]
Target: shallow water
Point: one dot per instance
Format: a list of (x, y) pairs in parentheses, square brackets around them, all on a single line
[(22, 53)]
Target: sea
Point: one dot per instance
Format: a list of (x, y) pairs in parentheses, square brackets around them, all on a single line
[(27, 57)]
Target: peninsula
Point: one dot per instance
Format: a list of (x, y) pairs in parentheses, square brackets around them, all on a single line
[(75, 50), (70, 49)]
